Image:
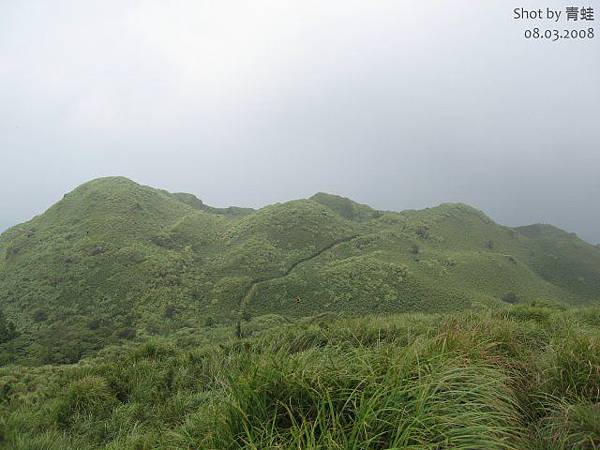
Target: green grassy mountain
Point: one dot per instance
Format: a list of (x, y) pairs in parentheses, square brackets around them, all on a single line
[(115, 261)]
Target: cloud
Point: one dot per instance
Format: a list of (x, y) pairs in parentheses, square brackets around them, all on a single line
[(397, 104)]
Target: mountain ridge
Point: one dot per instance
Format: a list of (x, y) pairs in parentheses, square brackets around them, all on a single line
[(193, 201), (115, 260)]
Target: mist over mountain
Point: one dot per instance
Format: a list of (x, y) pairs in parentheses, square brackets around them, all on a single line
[(252, 106), (340, 225)]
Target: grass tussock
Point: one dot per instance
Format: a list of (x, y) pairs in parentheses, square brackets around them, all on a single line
[(526, 377)]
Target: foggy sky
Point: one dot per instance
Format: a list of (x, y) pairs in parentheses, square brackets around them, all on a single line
[(398, 104)]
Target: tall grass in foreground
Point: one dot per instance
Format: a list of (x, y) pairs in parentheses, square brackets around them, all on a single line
[(524, 378), (366, 398)]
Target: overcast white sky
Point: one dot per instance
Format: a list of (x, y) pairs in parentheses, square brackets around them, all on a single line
[(398, 104)]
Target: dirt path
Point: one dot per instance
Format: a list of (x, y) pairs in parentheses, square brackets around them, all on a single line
[(252, 289)]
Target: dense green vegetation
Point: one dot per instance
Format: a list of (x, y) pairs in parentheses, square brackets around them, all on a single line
[(7, 329), (133, 318), (517, 377), (114, 262)]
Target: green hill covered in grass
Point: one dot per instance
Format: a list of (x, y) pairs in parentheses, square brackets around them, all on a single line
[(114, 261)]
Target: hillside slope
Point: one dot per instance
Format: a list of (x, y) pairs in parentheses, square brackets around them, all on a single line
[(114, 260)]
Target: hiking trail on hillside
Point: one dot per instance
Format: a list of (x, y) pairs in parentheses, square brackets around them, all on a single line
[(252, 288)]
